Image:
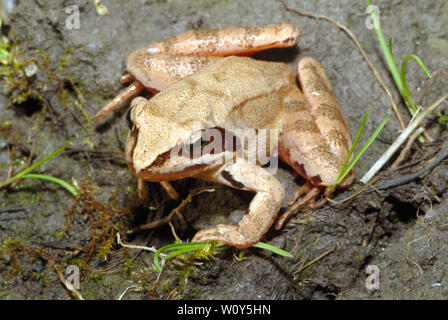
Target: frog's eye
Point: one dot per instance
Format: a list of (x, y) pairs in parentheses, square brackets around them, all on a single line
[(195, 143), (129, 120)]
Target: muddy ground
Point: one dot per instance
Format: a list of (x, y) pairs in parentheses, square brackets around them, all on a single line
[(401, 230)]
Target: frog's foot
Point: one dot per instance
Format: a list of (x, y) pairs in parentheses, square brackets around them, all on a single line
[(309, 199), (305, 188), (261, 212)]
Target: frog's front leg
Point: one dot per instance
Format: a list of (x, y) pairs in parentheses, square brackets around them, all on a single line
[(261, 212)]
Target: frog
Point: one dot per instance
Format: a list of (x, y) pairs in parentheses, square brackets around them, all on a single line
[(206, 77)]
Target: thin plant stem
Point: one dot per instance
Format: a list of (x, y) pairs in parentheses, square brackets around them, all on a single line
[(34, 166), (64, 184), (419, 117)]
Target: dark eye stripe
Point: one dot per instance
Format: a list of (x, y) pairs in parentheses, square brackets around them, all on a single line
[(129, 120)]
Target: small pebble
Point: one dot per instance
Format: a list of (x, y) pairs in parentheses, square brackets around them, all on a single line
[(37, 267), (30, 69)]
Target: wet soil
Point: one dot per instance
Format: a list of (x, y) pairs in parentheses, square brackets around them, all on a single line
[(400, 230)]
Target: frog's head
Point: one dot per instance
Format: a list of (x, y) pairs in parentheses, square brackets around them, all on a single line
[(156, 144), (151, 135)]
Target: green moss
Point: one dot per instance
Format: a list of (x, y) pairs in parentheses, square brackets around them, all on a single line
[(8, 254), (106, 220), (128, 265), (193, 293), (12, 70), (5, 125), (166, 286), (70, 94), (443, 119), (65, 60), (183, 277)]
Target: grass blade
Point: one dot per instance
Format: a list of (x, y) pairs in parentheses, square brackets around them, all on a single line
[(181, 248), (406, 91), (365, 146), (343, 173), (416, 59), (64, 184), (280, 252), (393, 67), (34, 166)]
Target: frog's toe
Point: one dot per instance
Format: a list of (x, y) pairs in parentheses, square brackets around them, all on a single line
[(307, 200)]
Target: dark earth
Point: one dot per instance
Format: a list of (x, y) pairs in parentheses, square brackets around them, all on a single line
[(401, 230)]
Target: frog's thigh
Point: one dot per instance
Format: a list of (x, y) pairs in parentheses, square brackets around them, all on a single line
[(158, 71), (229, 41), (261, 212)]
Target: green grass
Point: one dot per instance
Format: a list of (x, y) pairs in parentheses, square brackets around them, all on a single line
[(26, 173), (399, 75), (347, 166), (203, 250), (64, 184)]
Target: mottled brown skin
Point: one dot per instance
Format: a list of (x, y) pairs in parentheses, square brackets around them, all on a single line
[(218, 96), (229, 41), (229, 93)]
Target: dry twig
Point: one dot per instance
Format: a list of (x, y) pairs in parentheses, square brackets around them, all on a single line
[(175, 211), (418, 118), (406, 149), (307, 265)]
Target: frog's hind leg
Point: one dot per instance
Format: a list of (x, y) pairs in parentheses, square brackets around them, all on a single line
[(126, 78), (261, 212), (302, 147), (165, 62), (131, 91), (229, 41)]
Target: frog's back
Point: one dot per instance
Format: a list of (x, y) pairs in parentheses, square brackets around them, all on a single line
[(227, 94), (214, 93)]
